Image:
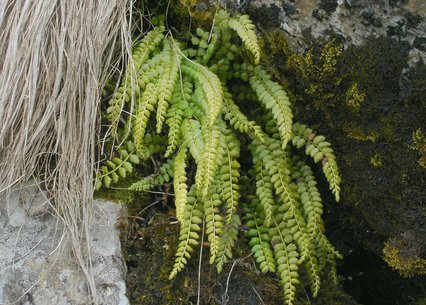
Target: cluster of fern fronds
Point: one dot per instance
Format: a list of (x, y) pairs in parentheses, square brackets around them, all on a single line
[(201, 95)]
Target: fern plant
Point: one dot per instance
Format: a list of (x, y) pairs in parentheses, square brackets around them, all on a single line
[(197, 94)]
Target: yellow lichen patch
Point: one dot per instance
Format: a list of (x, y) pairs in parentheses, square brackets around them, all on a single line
[(189, 3), (354, 97), (199, 10), (303, 64), (408, 264), (419, 144), (319, 73), (359, 134), (376, 160), (324, 66), (273, 42), (329, 56)]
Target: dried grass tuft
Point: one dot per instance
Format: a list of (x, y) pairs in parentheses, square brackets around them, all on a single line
[(55, 56)]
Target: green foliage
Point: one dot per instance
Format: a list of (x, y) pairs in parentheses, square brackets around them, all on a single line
[(179, 182), (163, 175), (259, 237), (198, 89), (274, 98), (245, 29), (117, 167), (227, 239), (321, 151), (188, 236)]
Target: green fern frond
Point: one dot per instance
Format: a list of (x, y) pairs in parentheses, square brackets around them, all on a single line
[(163, 175), (167, 81), (150, 71), (146, 105), (228, 239), (332, 255), (142, 50), (127, 89), (245, 29), (319, 150), (264, 190), (259, 238), (313, 272), (191, 129), (118, 167), (285, 252), (198, 107), (271, 127), (211, 86), (274, 98), (211, 48), (188, 235), (207, 45), (187, 84), (274, 161), (310, 198), (222, 15), (152, 144), (115, 108), (211, 159), (322, 250), (238, 120), (175, 114), (312, 209), (214, 223), (229, 176), (179, 182)]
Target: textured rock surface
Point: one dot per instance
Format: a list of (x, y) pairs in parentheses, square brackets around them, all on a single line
[(35, 266), (353, 20)]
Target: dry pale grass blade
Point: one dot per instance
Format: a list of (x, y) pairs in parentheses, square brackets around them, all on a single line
[(55, 55)]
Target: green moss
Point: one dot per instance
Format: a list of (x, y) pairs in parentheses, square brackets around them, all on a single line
[(420, 302), (149, 249), (370, 113), (375, 62), (148, 238), (119, 193), (359, 134), (199, 10), (274, 45), (354, 97), (376, 161), (402, 258), (318, 73), (419, 145)]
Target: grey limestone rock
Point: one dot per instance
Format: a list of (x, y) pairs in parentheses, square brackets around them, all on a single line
[(36, 266), (353, 20)]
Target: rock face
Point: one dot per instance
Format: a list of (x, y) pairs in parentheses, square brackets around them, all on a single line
[(352, 20), (35, 266)]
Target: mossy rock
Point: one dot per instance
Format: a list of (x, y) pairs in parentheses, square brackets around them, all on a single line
[(374, 136), (149, 241)]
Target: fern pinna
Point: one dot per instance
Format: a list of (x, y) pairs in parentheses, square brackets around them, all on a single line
[(199, 92)]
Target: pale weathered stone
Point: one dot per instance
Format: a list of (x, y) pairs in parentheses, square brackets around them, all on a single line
[(36, 266), (353, 20)]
